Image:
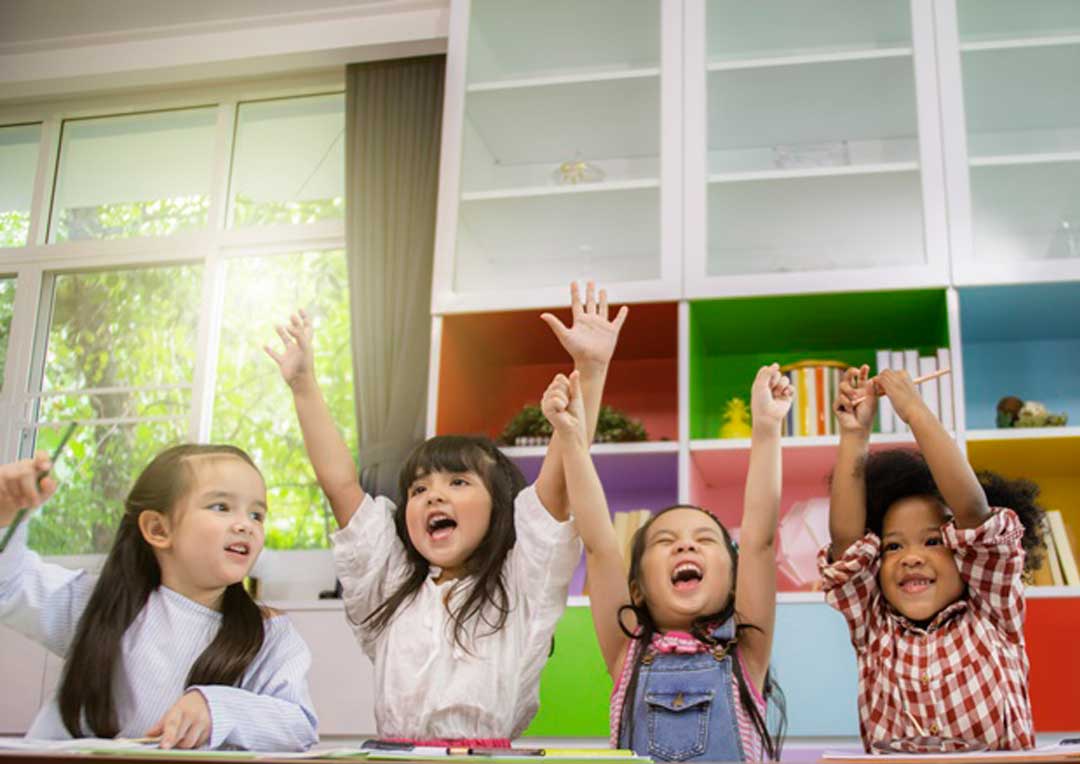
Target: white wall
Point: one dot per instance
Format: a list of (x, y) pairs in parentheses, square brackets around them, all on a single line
[(56, 48)]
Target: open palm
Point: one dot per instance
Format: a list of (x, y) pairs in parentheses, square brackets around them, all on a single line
[(591, 337)]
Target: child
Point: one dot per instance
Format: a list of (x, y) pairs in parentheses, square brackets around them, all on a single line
[(686, 640), (925, 564), (455, 597), (166, 642)]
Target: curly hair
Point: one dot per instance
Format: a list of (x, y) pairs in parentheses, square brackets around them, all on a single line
[(895, 474)]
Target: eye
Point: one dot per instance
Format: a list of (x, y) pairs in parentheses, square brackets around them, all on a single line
[(218, 506), (934, 541), (257, 516), (416, 490), (891, 546), (459, 481)]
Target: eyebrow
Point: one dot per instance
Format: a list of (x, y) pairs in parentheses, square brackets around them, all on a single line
[(226, 495)]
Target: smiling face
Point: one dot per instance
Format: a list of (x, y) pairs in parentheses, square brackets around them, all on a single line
[(686, 568), (447, 515), (918, 576), (215, 531)]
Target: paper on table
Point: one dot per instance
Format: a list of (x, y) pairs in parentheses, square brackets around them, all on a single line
[(1057, 752)]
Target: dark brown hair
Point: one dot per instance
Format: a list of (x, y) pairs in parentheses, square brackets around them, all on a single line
[(129, 576), (487, 599), (701, 629)]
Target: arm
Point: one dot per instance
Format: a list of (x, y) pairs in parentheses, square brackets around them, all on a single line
[(847, 501), (563, 405), (270, 711), (952, 473), (590, 341), (755, 595), (41, 601), (325, 447)]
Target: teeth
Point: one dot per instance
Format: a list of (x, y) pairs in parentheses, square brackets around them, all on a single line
[(238, 548), (440, 520), (685, 571)]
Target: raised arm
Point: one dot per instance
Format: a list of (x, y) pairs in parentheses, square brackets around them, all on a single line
[(952, 473), (590, 341), (847, 500), (563, 405), (755, 594), (326, 449)]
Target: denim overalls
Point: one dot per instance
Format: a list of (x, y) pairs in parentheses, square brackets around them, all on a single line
[(682, 706)]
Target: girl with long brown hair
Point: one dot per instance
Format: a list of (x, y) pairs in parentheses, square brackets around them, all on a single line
[(165, 641)]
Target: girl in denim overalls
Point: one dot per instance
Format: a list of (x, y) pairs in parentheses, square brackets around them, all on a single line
[(688, 650)]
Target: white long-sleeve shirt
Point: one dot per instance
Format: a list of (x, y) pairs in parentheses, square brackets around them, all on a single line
[(270, 710), (426, 686)]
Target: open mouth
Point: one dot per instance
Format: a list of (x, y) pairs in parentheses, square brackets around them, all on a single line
[(916, 584), (440, 526), (239, 548), (687, 576)]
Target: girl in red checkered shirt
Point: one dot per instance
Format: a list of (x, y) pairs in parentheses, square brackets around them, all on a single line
[(926, 565)]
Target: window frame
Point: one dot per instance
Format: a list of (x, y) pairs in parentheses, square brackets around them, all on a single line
[(35, 264)]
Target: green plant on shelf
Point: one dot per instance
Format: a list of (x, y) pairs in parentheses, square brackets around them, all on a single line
[(530, 428)]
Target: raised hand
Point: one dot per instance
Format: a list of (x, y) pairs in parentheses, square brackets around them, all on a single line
[(770, 396), (856, 385), (905, 399), (296, 361), (19, 486), (591, 338), (564, 407), (186, 724)]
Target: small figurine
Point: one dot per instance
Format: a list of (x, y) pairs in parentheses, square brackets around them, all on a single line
[(1013, 412), (736, 420), (1008, 409)]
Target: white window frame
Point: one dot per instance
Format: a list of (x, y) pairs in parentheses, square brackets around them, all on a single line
[(35, 263)]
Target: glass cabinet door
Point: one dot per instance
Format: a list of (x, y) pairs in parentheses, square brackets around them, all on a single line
[(1020, 66), (812, 133), (561, 144)]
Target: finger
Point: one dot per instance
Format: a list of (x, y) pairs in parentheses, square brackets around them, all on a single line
[(170, 729), (557, 326), (192, 736), (27, 488), (285, 339), (575, 299), (620, 317), (590, 297), (277, 358), (41, 461), (603, 304), (47, 486), (156, 730)]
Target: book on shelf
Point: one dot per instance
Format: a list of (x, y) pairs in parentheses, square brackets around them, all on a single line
[(886, 415), (626, 525), (896, 363), (929, 390), (945, 389), (815, 385), (821, 413), (1060, 534)]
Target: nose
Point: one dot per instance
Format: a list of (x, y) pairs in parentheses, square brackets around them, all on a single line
[(911, 559), (685, 545), (434, 496)]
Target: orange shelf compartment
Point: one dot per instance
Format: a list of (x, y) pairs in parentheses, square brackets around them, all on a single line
[(1052, 631), (493, 364)]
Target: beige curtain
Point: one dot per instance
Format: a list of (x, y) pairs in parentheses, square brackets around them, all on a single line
[(393, 121)]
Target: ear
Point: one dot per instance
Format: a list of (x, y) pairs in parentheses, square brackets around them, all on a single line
[(636, 595), (155, 528)]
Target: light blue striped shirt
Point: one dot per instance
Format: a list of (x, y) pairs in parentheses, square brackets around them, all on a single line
[(270, 710)]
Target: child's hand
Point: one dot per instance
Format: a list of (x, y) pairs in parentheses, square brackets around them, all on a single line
[(19, 486), (901, 391), (856, 417), (770, 396), (591, 339), (564, 407), (186, 724), (297, 361)]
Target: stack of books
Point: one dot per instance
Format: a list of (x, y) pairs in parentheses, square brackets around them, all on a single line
[(816, 384), (938, 393), (1058, 567)]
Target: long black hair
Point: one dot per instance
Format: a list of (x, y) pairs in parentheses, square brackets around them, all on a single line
[(487, 598), (897, 473), (130, 575), (701, 630)]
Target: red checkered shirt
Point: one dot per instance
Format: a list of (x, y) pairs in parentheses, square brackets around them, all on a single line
[(965, 674)]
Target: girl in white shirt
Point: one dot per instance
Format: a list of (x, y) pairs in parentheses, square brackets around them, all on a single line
[(165, 642), (454, 598)]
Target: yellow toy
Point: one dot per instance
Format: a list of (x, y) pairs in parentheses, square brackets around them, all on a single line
[(736, 420)]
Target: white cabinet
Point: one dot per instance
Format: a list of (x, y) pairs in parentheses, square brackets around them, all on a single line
[(561, 152), (1011, 103)]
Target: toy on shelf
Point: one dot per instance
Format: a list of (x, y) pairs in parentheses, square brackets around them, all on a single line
[(736, 419), (577, 170), (1013, 412), (529, 427)]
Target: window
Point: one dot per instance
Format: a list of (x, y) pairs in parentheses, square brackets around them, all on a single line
[(252, 405), (7, 306), (18, 163), (140, 175), (123, 332), (119, 359), (290, 161)]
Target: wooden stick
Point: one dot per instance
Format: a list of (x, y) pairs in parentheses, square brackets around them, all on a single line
[(916, 381)]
